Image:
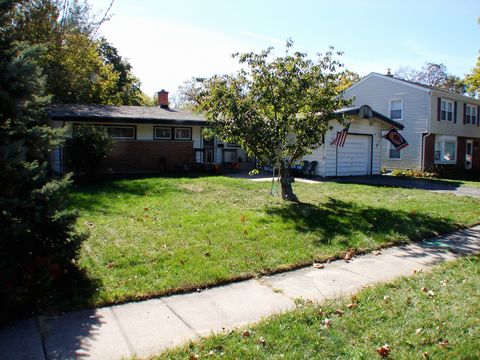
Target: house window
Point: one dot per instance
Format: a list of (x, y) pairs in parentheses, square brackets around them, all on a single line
[(446, 110), (121, 132), (183, 134), (396, 109), (470, 114), (394, 154), (163, 133), (445, 150)]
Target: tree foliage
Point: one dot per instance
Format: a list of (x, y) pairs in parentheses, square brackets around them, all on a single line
[(87, 147), (472, 80), (38, 241), (78, 68), (435, 75), (277, 109)]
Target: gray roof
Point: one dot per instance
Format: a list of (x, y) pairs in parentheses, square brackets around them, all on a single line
[(430, 87), (367, 112), (123, 114)]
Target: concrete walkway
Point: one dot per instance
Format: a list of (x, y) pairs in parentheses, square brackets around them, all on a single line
[(148, 327)]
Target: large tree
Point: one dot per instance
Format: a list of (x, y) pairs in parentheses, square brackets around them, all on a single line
[(78, 67), (433, 75), (473, 79), (37, 236), (278, 109)]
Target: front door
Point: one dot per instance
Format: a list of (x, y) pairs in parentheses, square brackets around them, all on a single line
[(468, 154), (209, 149)]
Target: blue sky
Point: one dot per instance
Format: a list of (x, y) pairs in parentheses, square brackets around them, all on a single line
[(168, 42)]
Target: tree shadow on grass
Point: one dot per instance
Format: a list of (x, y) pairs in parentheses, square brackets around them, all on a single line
[(337, 218)]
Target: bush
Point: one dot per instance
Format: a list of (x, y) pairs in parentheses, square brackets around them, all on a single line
[(87, 147), (38, 241), (413, 173)]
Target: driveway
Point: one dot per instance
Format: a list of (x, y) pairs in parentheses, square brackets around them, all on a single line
[(422, 184)]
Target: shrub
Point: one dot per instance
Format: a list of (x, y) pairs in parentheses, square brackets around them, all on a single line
[(87, 147), (413, 173)]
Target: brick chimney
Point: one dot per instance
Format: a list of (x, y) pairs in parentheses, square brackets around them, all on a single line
[(389, 73), (163, 99)]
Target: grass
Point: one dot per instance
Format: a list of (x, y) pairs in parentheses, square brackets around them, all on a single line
[(153, 236), (414, 323)]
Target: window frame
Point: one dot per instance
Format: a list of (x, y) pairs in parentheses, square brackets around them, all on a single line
[(391, 101), (446, 102), (162, 138), (182, 128), (470, 119), (390, 147), (134, 127), (441, 141)]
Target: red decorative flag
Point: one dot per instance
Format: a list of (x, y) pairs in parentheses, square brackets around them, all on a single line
[(396, 139), (339, 140)]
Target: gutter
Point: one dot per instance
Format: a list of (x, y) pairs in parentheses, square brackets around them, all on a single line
[(429, 111)]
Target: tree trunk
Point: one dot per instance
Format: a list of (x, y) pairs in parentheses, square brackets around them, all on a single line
[(286, 183)]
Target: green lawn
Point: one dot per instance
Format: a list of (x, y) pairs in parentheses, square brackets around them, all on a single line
[(154, 236), (440, 321)]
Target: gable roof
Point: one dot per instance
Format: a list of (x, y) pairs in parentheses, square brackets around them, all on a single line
[(123, 114), (416, 85), (366, 112)]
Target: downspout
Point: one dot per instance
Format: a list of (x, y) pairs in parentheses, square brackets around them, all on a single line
[(429, 110)]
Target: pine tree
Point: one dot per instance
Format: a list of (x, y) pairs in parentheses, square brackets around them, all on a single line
[(37, 239)]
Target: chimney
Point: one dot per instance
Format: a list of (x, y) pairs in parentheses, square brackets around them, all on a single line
[(389, 73), (163, 99)]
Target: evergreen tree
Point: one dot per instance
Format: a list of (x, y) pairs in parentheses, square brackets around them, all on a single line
[(37, 239)]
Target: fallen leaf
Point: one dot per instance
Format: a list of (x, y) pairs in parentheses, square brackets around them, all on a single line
[(328, 323), (261, 340), (376, 252), (418, 331), (318, 266), (431, 293), (194, 357), (246, 333), (243, 218), (145, 209), (424, 289), (352, 306), (386, 298), (416, 271), (443, 343), (349, 254), (384, 350), (339, 312), (110, 265), (425, 355)]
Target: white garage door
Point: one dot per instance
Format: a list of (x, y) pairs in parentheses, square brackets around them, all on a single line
[(354, 158)]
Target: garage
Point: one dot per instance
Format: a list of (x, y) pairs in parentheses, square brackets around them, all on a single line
[(355, 157)]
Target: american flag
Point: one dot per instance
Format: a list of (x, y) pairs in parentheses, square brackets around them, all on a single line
[(339, 140)]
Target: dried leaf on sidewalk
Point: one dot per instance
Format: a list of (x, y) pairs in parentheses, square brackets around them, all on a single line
[(318, 266), (376, 252), (246, 333), (349, 254)]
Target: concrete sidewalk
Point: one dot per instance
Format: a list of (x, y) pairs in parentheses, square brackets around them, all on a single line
[(148, 327)]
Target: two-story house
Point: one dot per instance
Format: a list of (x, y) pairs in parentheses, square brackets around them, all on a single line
[(441, 127)]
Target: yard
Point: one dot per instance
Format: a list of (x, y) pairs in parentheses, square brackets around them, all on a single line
[(426, 316), (158, 235)]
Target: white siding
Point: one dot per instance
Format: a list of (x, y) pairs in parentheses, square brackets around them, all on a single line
[(326, 154), (377, 91)]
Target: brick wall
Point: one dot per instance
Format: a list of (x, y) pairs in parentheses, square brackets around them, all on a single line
[(149, 156)]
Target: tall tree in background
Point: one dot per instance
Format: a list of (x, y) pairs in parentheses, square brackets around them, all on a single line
[(38, 241), (78, 68), (433, 75), (276, 109)]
